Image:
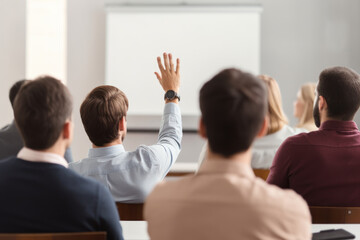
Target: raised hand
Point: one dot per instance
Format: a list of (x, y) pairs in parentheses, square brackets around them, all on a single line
[(169, 77)]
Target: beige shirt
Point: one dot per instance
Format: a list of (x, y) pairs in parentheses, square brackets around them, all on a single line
[(225, 200)]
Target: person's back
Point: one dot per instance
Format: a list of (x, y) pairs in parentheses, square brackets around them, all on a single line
[(323, 165), (39, 193), (130, 176), (47, 197), (10, 141), (224, 199)]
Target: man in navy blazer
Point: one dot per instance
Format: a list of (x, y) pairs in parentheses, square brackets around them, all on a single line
[(10, 138), (38, 192)]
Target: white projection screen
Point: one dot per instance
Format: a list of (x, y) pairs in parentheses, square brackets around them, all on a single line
[(205, 38)]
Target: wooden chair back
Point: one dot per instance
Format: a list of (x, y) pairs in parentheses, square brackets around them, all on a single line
[(262, 173), (130, 211), (54, 236), (335, 214)]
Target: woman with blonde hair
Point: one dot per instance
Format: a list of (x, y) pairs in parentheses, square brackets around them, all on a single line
[(303, 107), (264, 148)]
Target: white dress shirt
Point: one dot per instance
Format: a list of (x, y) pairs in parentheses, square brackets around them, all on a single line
[(31, 155)]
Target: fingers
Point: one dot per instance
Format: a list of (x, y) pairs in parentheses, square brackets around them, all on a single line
[(177, 65), (158, 76), (161, 67), (166, 61), (171, 62)]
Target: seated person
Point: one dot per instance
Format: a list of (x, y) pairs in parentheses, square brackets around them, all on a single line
[(38, 193), (264, 148), (303, 107), (225, 200), (130, 176), (10, 138), (323, 166)]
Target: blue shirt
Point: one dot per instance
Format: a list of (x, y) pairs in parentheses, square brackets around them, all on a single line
[(130, 176)]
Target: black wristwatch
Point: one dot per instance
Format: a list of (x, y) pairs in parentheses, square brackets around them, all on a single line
[(171, 95)]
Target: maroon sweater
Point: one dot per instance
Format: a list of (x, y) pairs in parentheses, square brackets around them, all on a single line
[(322, 166)]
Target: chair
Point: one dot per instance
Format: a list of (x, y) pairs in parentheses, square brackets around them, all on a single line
[(262, 173), (54, 236), (335, 214), (130, 211)]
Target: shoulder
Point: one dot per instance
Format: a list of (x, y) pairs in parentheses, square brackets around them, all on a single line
[(288, 201)]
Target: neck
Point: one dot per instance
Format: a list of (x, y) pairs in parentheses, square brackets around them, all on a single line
[(58, 148), (113, 143), (244, 157)]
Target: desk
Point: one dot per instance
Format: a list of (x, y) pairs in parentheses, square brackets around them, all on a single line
[(181, 169), (137, 230)]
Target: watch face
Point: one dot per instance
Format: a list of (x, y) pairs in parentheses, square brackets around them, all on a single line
[(170, 94)]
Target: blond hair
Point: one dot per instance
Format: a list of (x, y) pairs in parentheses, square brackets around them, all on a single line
[(277, 117), (307, 94)]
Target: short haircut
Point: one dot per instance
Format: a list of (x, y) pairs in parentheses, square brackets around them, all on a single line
[(277, 117), (14, 90), (101, 112), (340, 86), (233, 106), (41, 109)]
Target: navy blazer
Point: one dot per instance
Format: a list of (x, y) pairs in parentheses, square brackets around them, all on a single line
[(45, 197)]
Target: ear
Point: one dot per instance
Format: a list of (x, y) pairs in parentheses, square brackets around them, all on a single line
[(202, 129), (322, 103), (122, 124), (264, 128), (67, 130)]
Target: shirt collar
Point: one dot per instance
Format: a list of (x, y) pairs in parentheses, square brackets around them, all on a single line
[(106, 151), (31, 155), (226, 166), (339, 125)]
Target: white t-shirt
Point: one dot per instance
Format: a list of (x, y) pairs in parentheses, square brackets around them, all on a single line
[(264, 148)]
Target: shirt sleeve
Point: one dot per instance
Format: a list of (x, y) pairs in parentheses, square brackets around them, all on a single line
[(168, 146), (68, 155), (279, 170), (108, 215)]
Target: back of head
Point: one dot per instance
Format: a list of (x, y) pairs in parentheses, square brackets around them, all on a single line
[(101, 112), (15, 89), (233, 106), (41, 109), (277, 117), (307, 92), (340, 86)]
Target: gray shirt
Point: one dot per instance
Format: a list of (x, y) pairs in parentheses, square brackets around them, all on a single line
[(130, 176), (11, 143)]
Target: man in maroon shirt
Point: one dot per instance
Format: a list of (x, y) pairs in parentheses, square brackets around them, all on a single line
[(324, 166)]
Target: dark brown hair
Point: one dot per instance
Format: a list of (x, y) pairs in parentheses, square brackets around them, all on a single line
[(15, 89), (101, 112), (233, 106), (41, 109), (340, 86)]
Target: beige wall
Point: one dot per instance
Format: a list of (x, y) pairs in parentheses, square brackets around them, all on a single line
[(12, 52), (298, 39)]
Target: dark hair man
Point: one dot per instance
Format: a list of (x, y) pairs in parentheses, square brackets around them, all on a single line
[(130, 176), (10, 138), (225, 200), (323, 166), (39, 193)]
